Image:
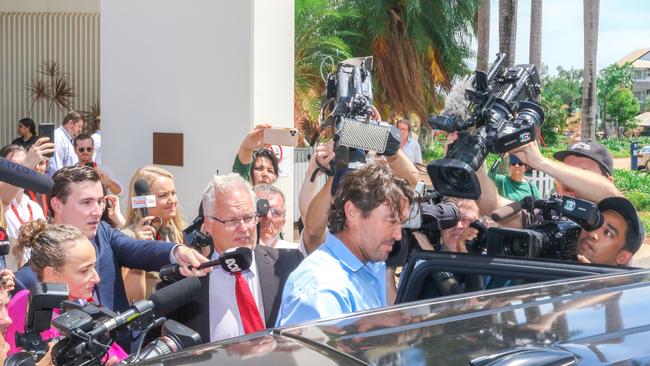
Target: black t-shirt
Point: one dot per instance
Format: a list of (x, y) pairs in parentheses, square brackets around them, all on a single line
[(26, 144)]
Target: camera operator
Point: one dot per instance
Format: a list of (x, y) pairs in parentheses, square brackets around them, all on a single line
[(585, 173), (619, 237), (453, 239), (60, 254)]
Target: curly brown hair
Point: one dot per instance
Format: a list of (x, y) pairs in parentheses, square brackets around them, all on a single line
[(368, 188), (47, 244)]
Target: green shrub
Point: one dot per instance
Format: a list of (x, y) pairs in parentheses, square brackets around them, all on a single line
[(628, 180), (645, 219), (640, 200)]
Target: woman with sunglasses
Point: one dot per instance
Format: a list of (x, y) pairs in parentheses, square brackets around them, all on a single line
[(162, 222), (515, 186), (60, 254)]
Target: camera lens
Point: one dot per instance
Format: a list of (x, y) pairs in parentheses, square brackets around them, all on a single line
[(520, 247)]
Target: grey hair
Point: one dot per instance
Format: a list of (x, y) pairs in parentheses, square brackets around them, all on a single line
[(224, 184), (269, 189)]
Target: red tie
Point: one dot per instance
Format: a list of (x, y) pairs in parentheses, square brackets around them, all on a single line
[(248, 311)]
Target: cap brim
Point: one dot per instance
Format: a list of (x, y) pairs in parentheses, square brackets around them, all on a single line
[(561, 155)]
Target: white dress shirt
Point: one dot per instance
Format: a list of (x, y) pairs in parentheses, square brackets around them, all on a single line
[(225, 321), (412, 150), (64, 154)]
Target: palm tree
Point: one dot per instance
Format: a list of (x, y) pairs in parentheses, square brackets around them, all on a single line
[(419, 46), (535, 47), (317, 39), (591, 10), (508, 29), (483, 36)]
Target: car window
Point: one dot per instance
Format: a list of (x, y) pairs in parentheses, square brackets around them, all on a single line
[(645, 150)]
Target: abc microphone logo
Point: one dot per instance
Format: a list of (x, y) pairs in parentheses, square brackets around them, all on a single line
[(232, 265)]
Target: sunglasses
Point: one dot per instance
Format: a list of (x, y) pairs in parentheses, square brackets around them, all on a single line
[(84, 149), (518, 164)]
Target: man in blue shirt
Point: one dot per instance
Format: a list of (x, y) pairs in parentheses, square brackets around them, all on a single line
[(347, 273)]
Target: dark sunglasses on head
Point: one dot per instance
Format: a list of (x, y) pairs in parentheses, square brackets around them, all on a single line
[(84, 149)]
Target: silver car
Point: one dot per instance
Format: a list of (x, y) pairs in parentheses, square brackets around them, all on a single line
[(644, 154)]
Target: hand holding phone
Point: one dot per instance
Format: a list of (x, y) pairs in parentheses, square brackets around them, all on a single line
[(47, 130), (281, 136)]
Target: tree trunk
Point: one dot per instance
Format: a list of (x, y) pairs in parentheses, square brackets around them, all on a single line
[(535, 48), (483, 36), (508, 29), (591, 10)]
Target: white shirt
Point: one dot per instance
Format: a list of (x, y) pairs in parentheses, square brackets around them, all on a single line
[(64, 154), (413, 151), (97, 147), (13, 226), (283, 244), (225, 321)]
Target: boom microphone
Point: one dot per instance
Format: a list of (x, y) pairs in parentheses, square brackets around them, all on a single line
[(161, 303), (232, 261), (23, 177), (506, 212)]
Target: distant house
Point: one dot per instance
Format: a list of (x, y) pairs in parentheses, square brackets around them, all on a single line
[(640, 60)]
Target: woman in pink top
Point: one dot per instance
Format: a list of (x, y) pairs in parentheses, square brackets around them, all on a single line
[(60, 254)]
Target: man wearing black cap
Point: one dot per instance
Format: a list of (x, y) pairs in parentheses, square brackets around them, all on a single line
[(616, 241), (587, 155)]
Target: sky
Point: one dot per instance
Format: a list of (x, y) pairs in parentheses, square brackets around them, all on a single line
[(624, 26)]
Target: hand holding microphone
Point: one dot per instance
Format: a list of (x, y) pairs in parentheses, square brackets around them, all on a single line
[(232, 261)]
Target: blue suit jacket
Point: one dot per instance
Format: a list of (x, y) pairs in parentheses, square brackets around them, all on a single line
[(114, 251)]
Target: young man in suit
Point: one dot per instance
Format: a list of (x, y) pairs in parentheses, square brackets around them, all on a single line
[(230, 305)]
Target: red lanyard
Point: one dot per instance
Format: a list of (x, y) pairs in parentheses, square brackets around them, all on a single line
[(20, 219), (43, 202)]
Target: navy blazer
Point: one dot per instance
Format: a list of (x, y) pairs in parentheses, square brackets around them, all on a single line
[(273, 268), (115, 250)]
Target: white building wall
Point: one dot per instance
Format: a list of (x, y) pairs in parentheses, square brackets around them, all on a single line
[(192, 68)]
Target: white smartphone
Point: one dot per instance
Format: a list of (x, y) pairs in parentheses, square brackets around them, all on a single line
[(281, 136)]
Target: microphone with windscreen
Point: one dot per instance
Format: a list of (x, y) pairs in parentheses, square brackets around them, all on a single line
[(232, 261), (506, 212), (21, 176), (380, 137)]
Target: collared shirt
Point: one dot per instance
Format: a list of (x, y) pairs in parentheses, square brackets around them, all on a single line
[(413, 151), (64, 154), (329, 282), (27, 209), (225, 321)]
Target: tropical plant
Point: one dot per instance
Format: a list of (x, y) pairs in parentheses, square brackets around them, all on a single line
[(617, 102), (318, 38), (591, 11), (566, 85), (53, 88)]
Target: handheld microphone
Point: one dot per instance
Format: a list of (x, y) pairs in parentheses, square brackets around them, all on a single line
[(232, 261), (161, 303), (23, 177), (143, 199)]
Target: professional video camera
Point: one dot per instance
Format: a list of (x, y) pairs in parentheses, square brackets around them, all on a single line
[(348, 101), (87, 330), (428, 216), (554, 235), (502, 118)]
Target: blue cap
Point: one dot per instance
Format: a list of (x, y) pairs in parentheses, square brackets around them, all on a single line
[(515, 160)]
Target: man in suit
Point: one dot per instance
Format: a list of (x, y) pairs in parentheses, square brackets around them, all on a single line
[(78, 200), (230, 305)]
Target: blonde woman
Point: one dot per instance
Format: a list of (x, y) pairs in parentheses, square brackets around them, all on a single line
[(162, 222)]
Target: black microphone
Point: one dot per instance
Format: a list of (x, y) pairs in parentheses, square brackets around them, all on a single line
[(506, 212), (141, 188), (161, 303), (232, 261), (23, 177)]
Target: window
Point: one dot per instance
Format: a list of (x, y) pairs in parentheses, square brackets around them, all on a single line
[(638, 74)]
